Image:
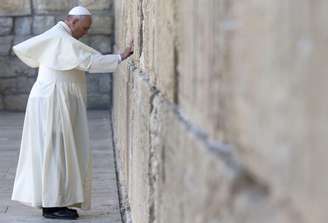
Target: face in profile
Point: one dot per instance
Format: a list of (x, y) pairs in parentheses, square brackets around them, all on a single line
[(80, 26)]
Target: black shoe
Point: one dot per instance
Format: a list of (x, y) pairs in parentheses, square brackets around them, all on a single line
[(47, 210), (71, 210), (60, 213)]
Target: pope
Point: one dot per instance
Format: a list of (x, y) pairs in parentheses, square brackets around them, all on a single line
[(54, 168)]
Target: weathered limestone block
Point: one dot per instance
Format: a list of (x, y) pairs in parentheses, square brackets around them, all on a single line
[(98, 101), (191, 171), (15, 7), (19, 39), (42, 23), (164, 48), (99, 83), (60, 17), (96, 5), (101, 24), (105, 82), (277, 112), (25, 84), (145, 42), (15, 102), (92, 83), (7, 86), (5, 45), (215, 187), (1, 103), (201, 60), (23, 25), (261, 92), (101, 43), (120, 123), (139, 144), (6, 25), (190, 178), (44, 6), (12, 66)]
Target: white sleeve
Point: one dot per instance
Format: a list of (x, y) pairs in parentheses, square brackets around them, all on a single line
[(103, 63)]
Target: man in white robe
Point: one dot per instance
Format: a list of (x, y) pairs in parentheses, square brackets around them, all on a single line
[(55, 164)]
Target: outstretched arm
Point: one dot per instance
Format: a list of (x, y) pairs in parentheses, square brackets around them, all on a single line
[(104, 63), (109, 63)]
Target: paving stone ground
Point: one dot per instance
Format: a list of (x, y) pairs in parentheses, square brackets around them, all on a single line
[(105, 207)]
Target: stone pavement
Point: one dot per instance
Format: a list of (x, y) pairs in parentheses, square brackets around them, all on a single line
[(105, 205)]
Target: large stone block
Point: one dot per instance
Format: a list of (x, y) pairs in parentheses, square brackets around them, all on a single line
[(42, 23), (101, 24), (1, 103), (139, 147), (186, 166), (96, 5), (276, 113), (99, 83), (161, 42), (6, 25), (92, 83), (105, 83), (5, 45), (215, 185), (24, 84), (15, 7), (120, 123), (60, 17), (7, 86), (200, 63), (18, 39), (45, 6), (23, 25), (101, 43), (12, 66), (15, 102), (98, 101)]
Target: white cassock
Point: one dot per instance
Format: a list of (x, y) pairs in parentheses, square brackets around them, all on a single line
[(55, 163)]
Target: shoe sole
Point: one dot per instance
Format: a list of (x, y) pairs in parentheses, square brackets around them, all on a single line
[(59, 217)]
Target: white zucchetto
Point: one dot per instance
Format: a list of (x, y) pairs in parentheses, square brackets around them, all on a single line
[(79, 10)]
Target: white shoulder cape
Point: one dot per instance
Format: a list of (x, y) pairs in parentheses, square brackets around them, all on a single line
[(55, 49)]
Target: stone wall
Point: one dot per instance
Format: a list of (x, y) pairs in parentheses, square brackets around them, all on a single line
[(22, 19), (220, 115)]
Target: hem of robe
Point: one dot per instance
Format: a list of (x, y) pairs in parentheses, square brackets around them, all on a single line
[(78, 204)]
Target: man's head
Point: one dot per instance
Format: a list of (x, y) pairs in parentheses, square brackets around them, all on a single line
[(79, 20), (79, 24)]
